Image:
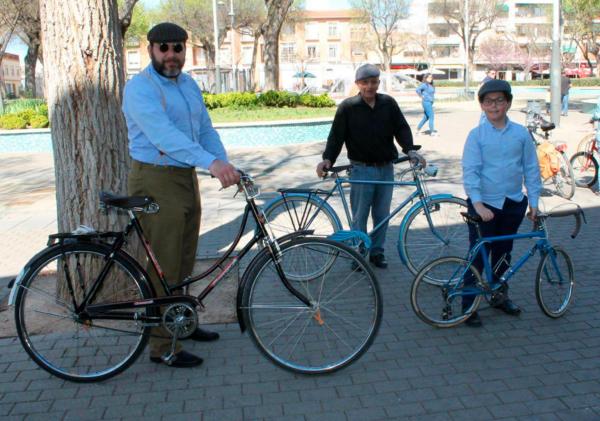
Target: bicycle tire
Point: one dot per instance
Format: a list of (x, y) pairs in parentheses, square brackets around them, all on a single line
[(551, 275), (585, 143), (564, 181), (445, 286), (585, 169), (418, 245), (71, 348), (336, 330), (289, 215)]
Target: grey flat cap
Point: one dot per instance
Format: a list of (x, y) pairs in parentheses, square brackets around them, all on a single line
[(366, 71), (167, 32), (495, 85)]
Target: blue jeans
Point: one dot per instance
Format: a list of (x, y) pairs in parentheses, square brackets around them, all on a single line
[(565, 104), (371, 198), (429, 115)]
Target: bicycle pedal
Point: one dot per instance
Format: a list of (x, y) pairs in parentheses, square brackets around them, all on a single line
[(168, 358)]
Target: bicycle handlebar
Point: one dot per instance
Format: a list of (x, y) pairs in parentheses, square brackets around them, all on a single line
[(576, 212), (341, 168)]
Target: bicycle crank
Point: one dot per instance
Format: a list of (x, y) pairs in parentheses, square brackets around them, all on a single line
[(180, 319)]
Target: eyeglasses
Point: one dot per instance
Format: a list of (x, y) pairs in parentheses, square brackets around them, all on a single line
[(488, 102), (164, 47)]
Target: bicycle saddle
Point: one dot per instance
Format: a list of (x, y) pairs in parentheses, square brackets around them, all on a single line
[(471, 219), (547, 126), (125, 202)]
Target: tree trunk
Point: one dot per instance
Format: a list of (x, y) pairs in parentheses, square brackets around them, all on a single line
[(276, 13), (253, 75), (84, 76), (31, 59)]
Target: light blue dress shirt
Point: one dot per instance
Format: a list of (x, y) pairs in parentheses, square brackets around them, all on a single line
[(497, 162), (426, 91), (167, 122)]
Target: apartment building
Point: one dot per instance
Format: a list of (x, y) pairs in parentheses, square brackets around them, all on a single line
[(11, 74)]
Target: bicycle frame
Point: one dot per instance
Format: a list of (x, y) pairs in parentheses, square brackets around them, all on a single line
[(101, 310), (419, 192)]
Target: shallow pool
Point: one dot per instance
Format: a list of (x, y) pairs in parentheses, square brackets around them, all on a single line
[(249, 136)]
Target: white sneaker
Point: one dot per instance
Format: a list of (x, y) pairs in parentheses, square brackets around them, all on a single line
[(434, 133)]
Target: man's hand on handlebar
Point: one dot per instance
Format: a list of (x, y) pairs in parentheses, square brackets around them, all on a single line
[(225, 172), (416, 158), (322, 167), (532, 214)]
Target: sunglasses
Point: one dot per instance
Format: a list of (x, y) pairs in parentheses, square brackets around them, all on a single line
[(164, 47)]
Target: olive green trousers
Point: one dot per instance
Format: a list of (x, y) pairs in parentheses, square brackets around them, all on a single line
[(172, 232)]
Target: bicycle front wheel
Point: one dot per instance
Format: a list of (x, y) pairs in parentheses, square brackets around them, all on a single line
[(300, 212), (439, 295), (585, 144), (585, 169), (339, 325), (433, 231), (70, 345), (554, 282)]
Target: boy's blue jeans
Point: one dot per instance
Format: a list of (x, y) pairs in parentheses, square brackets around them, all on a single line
[(429, 115), (371, 198)]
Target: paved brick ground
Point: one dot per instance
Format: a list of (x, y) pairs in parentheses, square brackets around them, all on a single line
[(530, 367)]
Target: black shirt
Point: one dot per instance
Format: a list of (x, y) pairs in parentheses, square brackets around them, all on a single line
[(565, 85), (368, 132)]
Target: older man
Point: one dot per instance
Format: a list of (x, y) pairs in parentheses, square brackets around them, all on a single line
[(367, 124)]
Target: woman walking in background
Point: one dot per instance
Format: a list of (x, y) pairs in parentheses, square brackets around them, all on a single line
[(426, 92)]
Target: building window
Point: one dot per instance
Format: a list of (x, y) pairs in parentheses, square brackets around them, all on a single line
[(133, 59), (247, 55), (288, 52), (333, 30), (311, 52), (288, 29), (333, 52), (311, 31)]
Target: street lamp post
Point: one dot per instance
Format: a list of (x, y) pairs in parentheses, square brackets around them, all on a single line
[(467, 48), (555, 65), (233, 65), (217, 53)]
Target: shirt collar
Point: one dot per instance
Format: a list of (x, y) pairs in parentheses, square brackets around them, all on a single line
[(489, 125), (161, 78)]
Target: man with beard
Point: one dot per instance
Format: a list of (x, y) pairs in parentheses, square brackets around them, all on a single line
[(170, 134)]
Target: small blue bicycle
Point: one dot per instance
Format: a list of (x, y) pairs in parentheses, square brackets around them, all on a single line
[(438, 289)]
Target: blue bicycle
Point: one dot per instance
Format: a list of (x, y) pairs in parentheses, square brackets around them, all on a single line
[(438, 289), (431, 227)]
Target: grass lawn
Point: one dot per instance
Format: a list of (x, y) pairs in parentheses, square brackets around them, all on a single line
[(228, 115)]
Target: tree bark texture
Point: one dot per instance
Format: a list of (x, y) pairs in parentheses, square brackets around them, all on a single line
[(84, 78), (31, 59), (276, 13)]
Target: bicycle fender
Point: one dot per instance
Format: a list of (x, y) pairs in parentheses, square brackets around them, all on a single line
[(15, 283), (415, 208), (242, 285)]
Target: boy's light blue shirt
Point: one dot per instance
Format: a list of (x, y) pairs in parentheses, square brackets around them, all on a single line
[(497, 162), (426, 91), (167, 122)]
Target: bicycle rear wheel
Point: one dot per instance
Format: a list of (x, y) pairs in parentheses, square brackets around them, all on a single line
[(585, 169), (338, 327), (564, 180), (438, 291), (585, 144), (447, 235), (67, 344), (554, 282), (300, 212)]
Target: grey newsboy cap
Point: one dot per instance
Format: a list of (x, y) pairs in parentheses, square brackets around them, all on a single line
[(366, 71), (167, 32), (495, 85)]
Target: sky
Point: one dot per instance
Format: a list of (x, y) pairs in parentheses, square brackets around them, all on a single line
[(16, 46)]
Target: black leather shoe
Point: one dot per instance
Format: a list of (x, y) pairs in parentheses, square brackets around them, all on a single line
[(202, 335), (182, 359), (509, 307), (379, 261), (474, 320)]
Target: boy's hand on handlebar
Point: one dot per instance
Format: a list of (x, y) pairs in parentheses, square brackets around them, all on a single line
[(532, 214), (225, 172), (416, 157), (322, 167), (485, 213)]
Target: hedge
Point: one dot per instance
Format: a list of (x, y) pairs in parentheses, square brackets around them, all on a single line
[(12, 121), (276, 99)]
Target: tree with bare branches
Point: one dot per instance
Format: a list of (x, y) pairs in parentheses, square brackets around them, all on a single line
[(580, 16), (277, 11)]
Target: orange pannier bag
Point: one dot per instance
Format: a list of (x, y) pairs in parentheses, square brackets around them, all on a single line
[(549, 159)]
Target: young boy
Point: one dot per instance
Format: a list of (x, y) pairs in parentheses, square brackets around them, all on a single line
[(498, 158)]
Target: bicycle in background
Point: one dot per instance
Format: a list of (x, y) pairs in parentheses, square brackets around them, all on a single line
[(438, 290), (584, 162), (84, 306), (431, 228), (557, 175)]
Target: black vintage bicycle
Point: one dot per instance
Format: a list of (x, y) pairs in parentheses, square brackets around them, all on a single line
[(84, 306)]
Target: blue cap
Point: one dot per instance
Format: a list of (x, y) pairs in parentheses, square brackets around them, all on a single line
[(495, 85), (366, 71)]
